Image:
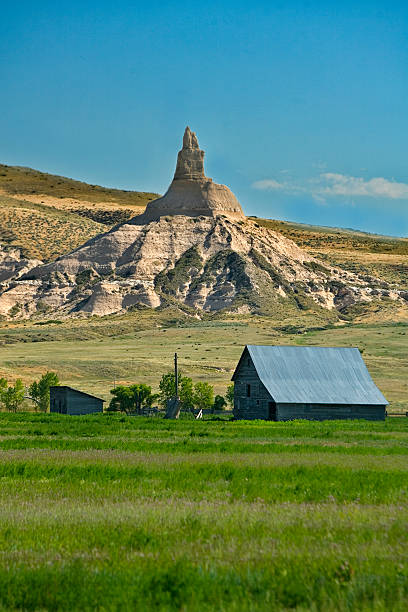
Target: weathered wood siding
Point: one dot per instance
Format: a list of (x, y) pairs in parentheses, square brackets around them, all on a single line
[(257, 405), (69, 401), (322, 412), (58, 400)]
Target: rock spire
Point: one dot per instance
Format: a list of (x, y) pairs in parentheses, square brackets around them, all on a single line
[(190, 160), (191, 193)]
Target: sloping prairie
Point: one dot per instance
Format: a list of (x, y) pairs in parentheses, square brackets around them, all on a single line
[(46, 215)]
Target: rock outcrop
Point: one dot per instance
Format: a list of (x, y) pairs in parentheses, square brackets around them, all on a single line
[(197, 264), (191, 193), (13, 265), (193, 249), (190, 160)]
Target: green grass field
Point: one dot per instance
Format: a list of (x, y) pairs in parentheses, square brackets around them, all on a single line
[(129, 513), (126, 513), (92, 354)]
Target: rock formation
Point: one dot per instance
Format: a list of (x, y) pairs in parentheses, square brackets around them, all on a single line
[(192, 249), (191, 193), (190, 160), (198, 264), (13, 265)]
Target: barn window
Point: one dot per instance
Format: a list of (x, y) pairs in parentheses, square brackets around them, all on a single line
[(248, 362), (248, 390)]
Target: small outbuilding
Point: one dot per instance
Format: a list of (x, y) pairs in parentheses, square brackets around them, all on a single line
[(65, 400), (281, 383)]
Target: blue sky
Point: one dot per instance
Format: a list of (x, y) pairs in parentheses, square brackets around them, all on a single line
[(301, 107)]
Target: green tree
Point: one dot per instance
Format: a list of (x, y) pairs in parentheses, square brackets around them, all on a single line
[(122, 400), (167, 388), (143, 397), (229, 396), (219, 402), (40, 391), (13, 396), (203, 397), (3, 388), (186, 393), (131, 399)]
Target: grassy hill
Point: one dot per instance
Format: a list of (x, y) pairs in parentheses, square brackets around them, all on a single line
[(43, 232), (382, 256), (20, 182), (46, 215)]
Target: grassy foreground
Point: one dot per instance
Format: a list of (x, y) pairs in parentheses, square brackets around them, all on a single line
[(117, 513)]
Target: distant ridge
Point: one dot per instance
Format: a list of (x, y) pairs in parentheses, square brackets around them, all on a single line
[(23, 181)]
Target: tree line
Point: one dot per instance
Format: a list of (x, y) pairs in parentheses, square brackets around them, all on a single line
[(13, 396), (131, 399), (134, 399)]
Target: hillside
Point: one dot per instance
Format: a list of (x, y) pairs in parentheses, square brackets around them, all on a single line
[(22, 182), (46, 215), (360, 252)]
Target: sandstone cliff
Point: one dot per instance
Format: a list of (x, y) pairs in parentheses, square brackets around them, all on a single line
[(197, 263), (13, 265), (193, 249)]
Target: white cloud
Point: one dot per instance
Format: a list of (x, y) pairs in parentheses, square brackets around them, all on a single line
[(331, 184), (343, 185), (268, 185)]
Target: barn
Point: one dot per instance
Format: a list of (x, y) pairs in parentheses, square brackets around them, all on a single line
[(66, 400), (280, 383)]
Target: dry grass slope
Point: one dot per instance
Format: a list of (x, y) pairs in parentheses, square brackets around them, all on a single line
[(15, 180), (371, 254), (42, 232), (46, 215)]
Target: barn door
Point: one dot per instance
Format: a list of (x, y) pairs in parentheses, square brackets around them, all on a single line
[(272, 411)]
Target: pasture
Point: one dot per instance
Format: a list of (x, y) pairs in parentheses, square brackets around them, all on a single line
[(92, 354), (130, 513)]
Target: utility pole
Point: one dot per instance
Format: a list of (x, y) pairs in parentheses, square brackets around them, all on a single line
[(176, 375), (173, 404)]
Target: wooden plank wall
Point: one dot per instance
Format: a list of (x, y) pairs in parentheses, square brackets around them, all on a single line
[(82, 404), (257, 405), (73, 402), (323, 412)]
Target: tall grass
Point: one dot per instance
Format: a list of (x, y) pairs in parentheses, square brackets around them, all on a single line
[(178, 523)]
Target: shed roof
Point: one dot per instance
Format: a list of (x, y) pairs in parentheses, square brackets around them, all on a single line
[(314, 375), (77, 391)]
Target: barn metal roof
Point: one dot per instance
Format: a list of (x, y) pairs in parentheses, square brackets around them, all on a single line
[(314, 374)]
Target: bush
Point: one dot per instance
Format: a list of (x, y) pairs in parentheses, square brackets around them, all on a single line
[(219, 402)]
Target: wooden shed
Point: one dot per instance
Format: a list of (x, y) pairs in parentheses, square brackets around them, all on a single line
[(281, 383), (66, 400)]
